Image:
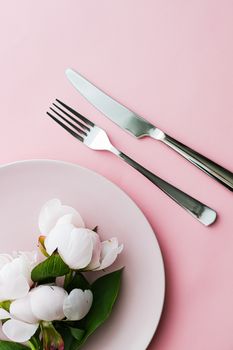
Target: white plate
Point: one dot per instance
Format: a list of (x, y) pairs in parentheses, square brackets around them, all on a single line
[(26, 186)]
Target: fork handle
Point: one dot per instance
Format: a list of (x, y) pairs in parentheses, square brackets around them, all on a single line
[(197, 209), (222, 175)]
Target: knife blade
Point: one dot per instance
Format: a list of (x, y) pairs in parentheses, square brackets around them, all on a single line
[(119, 114), (139, 127)]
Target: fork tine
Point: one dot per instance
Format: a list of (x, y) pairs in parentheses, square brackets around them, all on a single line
[(75, 120), (80, 116), (72, 132), (69, 122)]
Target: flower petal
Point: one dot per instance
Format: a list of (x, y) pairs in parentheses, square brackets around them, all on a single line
[(4, 259), (30, 257), (47, 302), (15, 275), (109, 253), (47, 216), (71, 218), (14, 288), (95, 260), (26, 262), (57, 236), (2, 335), (21, 310), (4, 315), (52, 211), (21, 263), (19, 331), (77, 304), (77, 250)]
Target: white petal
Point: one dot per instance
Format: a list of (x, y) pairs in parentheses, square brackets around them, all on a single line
[(18, 266), (2, 335), (21, 309), (19, 331), (95, 260), (48, 215), (75, 219), (4, 259), (47, 302), (14, 288), (77, 304), (56, 237), (31, 258), (21, 264), (77, 250), (12, 269), (71, 218), (4, 314), (109, 253), (52, 211), (15, 278), (25, 266)]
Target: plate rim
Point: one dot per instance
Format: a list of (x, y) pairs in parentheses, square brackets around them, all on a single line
[(71, 164)]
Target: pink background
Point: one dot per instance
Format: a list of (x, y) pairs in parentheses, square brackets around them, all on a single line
[(171, 62)]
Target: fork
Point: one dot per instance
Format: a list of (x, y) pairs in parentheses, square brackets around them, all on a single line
[(96, 138)]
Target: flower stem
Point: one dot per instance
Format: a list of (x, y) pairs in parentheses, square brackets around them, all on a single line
[(32, 347), (34, 344), (52, 340), (68, 279)]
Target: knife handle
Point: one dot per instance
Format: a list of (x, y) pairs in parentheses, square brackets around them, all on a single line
[(197, 209), (222, 175)]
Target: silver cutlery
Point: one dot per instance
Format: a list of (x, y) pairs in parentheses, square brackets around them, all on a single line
[(96, 138), (139, 127)]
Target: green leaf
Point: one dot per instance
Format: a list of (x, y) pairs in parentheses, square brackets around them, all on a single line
[(7, 345), (51, 280), (78, 281), (52, 267), (77, 333), (105, 291)]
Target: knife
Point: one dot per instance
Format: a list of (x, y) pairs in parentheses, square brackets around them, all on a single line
[(139, 127)]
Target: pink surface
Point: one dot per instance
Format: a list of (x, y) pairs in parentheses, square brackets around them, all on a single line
[(170, 61)]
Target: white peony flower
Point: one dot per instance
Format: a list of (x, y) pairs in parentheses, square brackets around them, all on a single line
[(79, 247), (44, 303), (74, 245), (15, 274), (110, 249)]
